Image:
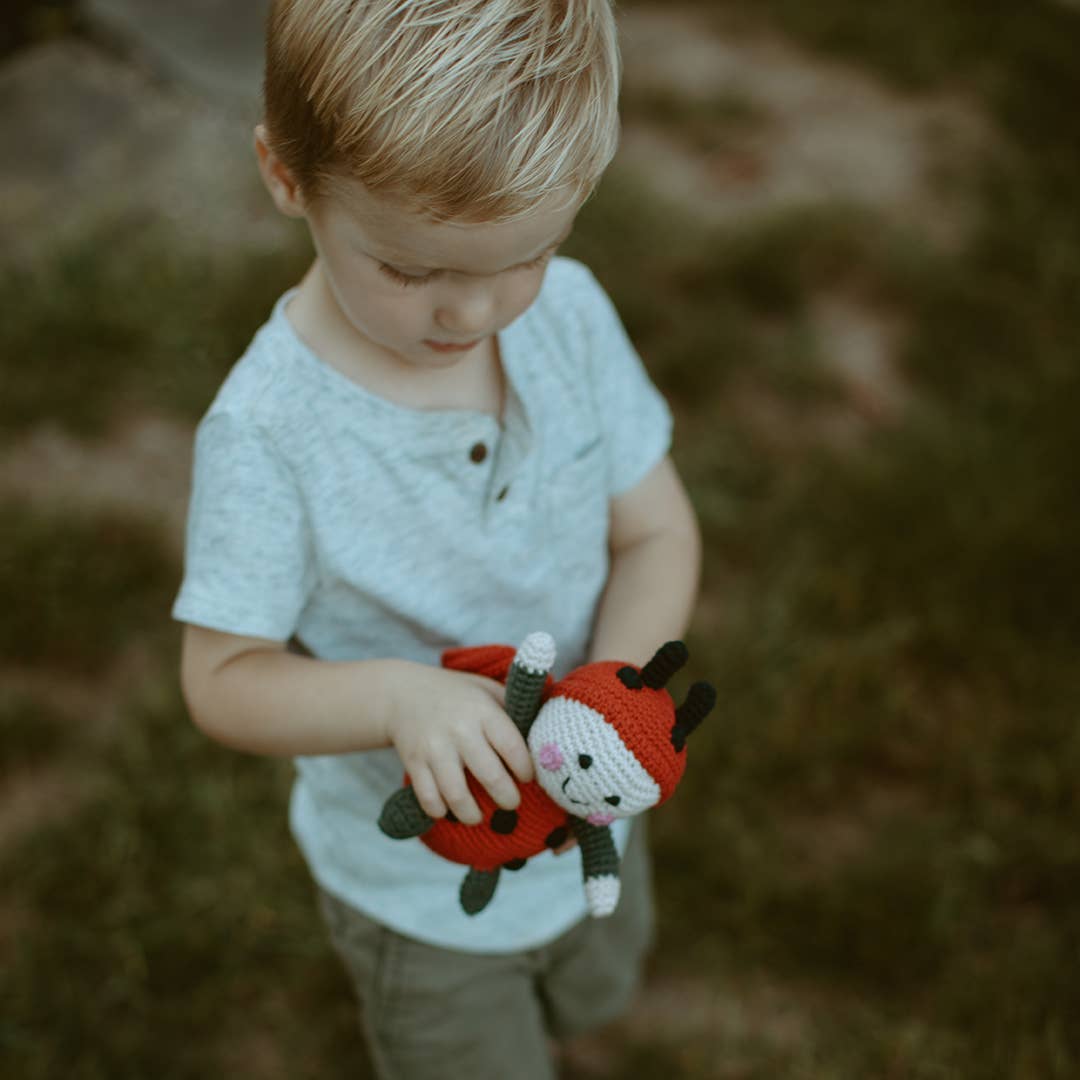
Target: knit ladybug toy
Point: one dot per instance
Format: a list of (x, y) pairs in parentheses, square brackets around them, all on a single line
[(607, 742)]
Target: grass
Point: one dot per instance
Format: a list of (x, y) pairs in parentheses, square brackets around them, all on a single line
[(877, 829), (124, 319), (58, 573), (32, 734), (170, 933), (707, 126)]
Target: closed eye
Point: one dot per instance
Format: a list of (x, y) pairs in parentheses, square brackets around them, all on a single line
[(408, 280)]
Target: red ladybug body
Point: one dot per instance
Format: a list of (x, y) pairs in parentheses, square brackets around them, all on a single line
[(537, 824)]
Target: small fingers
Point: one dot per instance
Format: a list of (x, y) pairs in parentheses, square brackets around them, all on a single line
[(455, 792), (486, 766), (511, 747), (427, 791)]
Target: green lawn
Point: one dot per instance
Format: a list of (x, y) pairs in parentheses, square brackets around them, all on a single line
[(874, 862)]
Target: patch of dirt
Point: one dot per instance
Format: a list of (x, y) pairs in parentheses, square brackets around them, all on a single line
[(823, 132), (63, 693), (862, 346), (253, 1053), (783, 428), (91, 704), (35, 797), (824, 842), (142, 467), (743, 1023), (856, 346)]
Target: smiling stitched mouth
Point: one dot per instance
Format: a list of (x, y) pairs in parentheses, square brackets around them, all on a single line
[(576, 802)]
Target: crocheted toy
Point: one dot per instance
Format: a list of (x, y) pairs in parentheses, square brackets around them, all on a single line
[(606, 742)]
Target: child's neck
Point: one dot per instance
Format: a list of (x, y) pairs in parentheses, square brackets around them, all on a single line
[(475, 383)]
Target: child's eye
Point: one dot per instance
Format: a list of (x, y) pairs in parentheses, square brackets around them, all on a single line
[(421, 279), (406, 279)]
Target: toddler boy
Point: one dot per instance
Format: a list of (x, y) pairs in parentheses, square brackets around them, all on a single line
[(440, 437)]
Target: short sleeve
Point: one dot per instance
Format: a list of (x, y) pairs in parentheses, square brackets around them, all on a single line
[(634, 416), (247, 563)]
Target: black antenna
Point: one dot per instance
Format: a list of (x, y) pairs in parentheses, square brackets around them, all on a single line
[(668, 659), (698, 704)]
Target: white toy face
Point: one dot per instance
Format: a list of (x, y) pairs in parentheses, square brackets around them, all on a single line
[(585, 767)]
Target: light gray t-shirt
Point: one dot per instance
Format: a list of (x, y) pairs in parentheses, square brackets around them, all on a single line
[(367, 529)]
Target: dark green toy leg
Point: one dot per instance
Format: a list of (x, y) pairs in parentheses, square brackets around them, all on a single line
[(403, 817), (477, 889)]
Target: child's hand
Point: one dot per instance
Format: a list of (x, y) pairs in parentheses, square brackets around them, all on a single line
[(450, 721)]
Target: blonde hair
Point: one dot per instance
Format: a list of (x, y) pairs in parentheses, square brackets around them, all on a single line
[(472, 109)]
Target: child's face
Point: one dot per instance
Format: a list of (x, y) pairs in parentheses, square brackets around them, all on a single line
[(426, 294), (429, 292)]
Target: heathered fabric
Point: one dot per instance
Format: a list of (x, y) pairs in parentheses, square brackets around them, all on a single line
[(367, 529)]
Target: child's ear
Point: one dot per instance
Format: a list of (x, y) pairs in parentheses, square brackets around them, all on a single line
[(281, 183)]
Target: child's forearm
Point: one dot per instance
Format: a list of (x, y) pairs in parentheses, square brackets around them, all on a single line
[(268, 701), (649, 597), (253, 695)]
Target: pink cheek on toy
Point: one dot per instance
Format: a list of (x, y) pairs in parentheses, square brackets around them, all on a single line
[(550, 756), (600, 819)]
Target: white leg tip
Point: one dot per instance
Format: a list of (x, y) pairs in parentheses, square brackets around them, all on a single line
[(602, 894), (537, 652)]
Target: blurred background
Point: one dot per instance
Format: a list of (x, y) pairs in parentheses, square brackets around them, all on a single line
[(846, 238)]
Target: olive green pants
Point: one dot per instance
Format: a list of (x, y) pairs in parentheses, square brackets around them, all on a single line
[(431, 1013)]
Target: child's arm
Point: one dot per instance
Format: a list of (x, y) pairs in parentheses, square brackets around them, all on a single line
[(655, 567), (253, 695)]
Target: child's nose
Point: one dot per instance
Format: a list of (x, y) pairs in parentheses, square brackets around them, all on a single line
[(470, 310)]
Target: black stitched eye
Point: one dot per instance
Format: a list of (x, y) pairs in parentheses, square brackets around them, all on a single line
[(584, 760), (614, 800)]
